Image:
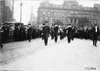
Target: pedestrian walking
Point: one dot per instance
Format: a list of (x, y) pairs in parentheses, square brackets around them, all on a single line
[(95, 34), (69, 33), (52, 32), (61, 32), (46, 32), (56, 28)]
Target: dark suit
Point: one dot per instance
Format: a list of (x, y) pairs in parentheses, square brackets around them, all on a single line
[(52, 32), (5, 34), (0, 38), (73, 33), (69, 34), (56, 33), (95, 35), (46, 31), (22, 33), (29, 33), (17, 32)]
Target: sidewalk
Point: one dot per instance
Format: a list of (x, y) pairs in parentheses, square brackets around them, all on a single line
[(75, 56), (15, 50)]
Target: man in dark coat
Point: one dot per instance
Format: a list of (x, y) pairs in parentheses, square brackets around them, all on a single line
[(46, 32), (0, 37), (73, 32), (34, 32), (56, 28), (69, 33), (95, 31), (5, 28), (22, 31), (52, 32), (61, 33), (17, 32), (29, 32)]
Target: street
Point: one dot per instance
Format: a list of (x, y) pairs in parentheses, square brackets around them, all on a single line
[(75, 56)]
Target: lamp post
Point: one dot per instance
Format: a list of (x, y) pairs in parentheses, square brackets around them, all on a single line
[(21, 11)]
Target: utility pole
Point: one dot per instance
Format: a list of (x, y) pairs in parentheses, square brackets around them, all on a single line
[(31, 15), (13, 1), (0, 13), (21, 11)]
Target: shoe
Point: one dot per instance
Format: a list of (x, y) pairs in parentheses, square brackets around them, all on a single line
[(45, 44), (95, 45)]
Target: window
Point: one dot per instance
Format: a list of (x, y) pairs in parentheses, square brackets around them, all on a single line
[(74, 6)]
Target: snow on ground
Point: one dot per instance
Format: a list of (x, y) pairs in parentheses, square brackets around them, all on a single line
[(60, 56)]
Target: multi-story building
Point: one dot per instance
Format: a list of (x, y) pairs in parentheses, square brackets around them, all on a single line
[(7, 10), (0, 12), (68, 12)]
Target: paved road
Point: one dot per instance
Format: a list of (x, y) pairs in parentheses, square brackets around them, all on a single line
[(76, 56)]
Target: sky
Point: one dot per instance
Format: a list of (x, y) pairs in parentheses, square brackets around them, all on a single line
[(34, 4)]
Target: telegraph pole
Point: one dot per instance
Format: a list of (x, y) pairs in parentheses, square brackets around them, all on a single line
[(31, 15), (13, 1), (21, 11)]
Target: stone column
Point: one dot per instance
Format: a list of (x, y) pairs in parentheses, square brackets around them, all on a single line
[(50, 20), (69, 21), (76, 21), (0, 15), (73, 21)]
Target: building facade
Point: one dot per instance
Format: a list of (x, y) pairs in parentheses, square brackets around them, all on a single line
[(68, 13), (0, 12), (7, 7)]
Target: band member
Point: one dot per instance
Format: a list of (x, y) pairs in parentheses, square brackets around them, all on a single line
[(46, 31), (69, 33), (61, 33), (52, 32), (95, 30), (73, 32), (0, 37), (56, 28), (29, 32)]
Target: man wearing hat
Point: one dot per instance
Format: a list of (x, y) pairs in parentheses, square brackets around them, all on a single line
[(46, 32), (56, 28), (69, 32), (95, 30), (29, 30)]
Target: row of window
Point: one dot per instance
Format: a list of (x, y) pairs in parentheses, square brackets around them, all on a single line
[(53, 14), (64, 11), (69, 15), (51, 19), (69, 7)]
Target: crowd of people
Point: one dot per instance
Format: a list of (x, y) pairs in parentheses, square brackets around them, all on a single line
[(70, 32), (10, 32), (20, 32)]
